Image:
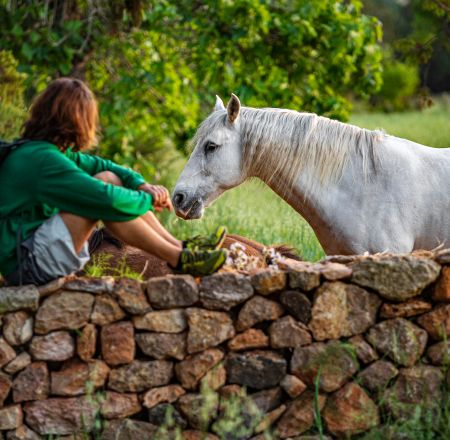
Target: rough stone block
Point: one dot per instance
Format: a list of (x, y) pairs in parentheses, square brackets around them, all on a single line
[(18, 298), (258, 309), (65, 310), (17, 328), (117, 342), (131, 296), (251, 338), (286, 332), (139, 376), (437, 322), (193, 368), (442, 289), (268, 281), (395, 277), (7, 353), (5, 387), (56, 346), (350, 411), (255, 369), (18, 363), (167, 394), (118, 405), (11, 417), (164, 321), (97, 286), (412, 307), (377, 376), (292, 385), (106, 310), (163, 345), (224, 291), (297, 304), (87, 342), (32, 383), (207, 329), (172, 291), (401, 340)]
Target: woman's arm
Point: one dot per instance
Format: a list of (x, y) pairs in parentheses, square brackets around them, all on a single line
[(94, 165)]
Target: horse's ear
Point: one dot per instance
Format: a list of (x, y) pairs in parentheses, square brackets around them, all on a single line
[(233, 108), (219, 104)]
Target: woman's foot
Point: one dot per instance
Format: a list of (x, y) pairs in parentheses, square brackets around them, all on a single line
[(207, 242), (200, 262)]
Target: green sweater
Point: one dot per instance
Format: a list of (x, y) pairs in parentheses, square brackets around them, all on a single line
[(37, 181)]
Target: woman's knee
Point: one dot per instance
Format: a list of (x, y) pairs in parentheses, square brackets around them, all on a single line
[(109, 177)]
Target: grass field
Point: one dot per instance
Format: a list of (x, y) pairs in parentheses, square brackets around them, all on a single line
[(254, 211)]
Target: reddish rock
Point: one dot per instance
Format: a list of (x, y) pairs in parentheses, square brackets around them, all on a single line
[(439, 354), (53, 286), (106, 310), (297, 304), (214, 378), (22, 433), (224, 290), (442, 289), (270, 418), (32, 383), (377, 376), (399, 339), (140, 376), (56, 346), (334, 271), (419, 386), (193, 368), (267, 400), (251, 338), (87, 342), (164, 321), (76, 378), (93, 285), (198, 435), (7, 353), (342, 310), (302, 275), (19, 298), (199, 410), (437, 322), (172, 291), (18, 363), (61, 416), (334, 361), (230, 391), (292, 385), (65, 310), (288, 333), (167, 394), (5, 387), (117, 341), (395, 277), (165, 414), (255, 369), (412, 307), (268, 281), (258, 309), (129, 429), (162, 345), (17, 328), (300, 415), (119, 406), (365, 353), (350, 411), (207, 329), (131, 296), (11, 417)]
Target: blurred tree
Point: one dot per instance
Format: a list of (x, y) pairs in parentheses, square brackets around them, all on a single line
[(156, 64)]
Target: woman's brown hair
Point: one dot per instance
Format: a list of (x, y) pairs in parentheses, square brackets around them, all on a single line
[(65, 114)]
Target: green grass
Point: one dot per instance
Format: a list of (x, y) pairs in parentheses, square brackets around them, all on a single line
[(254, 211)]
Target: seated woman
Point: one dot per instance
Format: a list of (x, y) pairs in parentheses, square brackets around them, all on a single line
[(52, 196)]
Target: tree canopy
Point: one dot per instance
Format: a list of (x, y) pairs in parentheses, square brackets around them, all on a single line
[(156, 65)]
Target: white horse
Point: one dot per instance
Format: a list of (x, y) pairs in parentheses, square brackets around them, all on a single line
[(360, 190)]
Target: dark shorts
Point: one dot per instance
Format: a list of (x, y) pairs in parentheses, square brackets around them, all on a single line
[(48, 254)]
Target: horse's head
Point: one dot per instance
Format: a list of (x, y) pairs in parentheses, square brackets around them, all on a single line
[(215, 163)]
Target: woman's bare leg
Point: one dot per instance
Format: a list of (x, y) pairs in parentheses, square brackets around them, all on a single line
[(149, 217), (135, 233)]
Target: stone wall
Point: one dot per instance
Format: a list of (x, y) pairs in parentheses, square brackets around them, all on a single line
[(111, 356)]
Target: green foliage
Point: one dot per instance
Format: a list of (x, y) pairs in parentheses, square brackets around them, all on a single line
[(400, 83), (156, 65), (101, 265), (12, 108)]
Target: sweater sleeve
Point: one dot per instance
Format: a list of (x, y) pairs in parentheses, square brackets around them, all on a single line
[(63, 185), (94, 164)]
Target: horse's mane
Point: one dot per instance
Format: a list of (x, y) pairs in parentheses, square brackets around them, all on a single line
[(278, 139)]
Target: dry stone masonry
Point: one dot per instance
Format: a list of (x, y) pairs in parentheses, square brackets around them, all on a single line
[(357, 339)]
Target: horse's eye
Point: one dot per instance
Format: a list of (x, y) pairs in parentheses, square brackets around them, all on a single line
[(210, 147)]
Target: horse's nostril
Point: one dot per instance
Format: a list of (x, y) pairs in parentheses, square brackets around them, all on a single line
[(178, 198)]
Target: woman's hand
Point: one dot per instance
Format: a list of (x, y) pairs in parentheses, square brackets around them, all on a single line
[(160, 194)]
